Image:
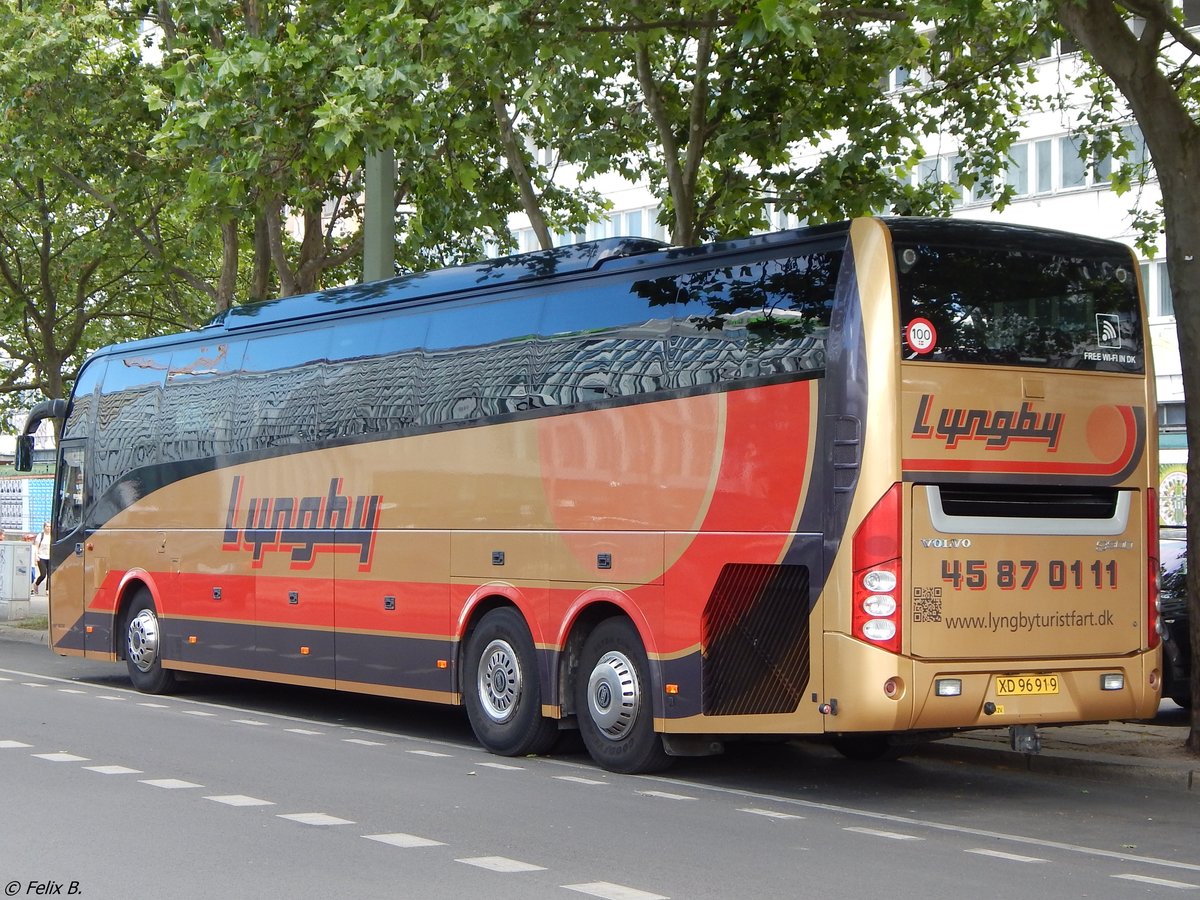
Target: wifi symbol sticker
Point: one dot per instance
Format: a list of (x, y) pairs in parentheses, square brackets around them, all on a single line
[(1108, 330)]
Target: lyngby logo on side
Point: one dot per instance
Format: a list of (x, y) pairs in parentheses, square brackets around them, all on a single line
[(945, 543)]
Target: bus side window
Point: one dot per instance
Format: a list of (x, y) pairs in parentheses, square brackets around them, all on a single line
[(70, 491), (278, 390), (128, 421), (477, 360)]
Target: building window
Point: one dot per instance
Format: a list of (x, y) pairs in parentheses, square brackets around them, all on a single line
[(1016, 175), (1157, 284), (1191, 13), (1074, 172), (1044, 163), (1170, 417)]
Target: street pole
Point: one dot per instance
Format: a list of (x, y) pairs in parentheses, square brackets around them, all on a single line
[(379, 217)]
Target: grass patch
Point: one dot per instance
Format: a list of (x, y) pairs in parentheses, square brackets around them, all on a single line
[(37, 623)]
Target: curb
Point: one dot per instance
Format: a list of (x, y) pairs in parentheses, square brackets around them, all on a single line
[(23, 635), (1181, 774)]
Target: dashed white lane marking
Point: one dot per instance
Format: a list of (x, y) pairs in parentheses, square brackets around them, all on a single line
[(249, 722), (400, 839), (666, 795), (34, 684), (891, 835), (303, 731), (111, 697), (171, 784), (433, 753), (362, 741), (315, 818), (71, 691), (769, 813), (1160, 882), (13, 745), (155, 705), (504, 767), (196, 712), (2, 678), (1013, 857), (60, 757), (114, 770), (576, 779), (240, 800), (609, 891), (501, 864)]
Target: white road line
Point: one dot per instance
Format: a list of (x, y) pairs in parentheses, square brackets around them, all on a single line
[(362, 742), (891, 835), (769, 813), (171, 784), (430, 753), (2, 678), (114, 770), (315, 818), (504, 767), (609, 891), (576, 779), (34, 684), (13, 745), (71, 691), (249, 722), (501, 864), (400, 839), (1160, 882), (240, 800), (303, 731), (111, 697), (928, 823), (196, 712), (60, 757), (665, 795), (1013, 857), (155, 705)]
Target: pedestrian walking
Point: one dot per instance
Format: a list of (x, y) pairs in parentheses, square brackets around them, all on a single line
[(41, 550)]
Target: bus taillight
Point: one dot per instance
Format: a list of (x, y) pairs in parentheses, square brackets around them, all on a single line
[(1152, 573), (876, 562)]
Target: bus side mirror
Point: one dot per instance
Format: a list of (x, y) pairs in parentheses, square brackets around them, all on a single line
[(23, 460)]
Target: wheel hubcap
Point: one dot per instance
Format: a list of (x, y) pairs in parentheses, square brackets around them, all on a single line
[(499, 681), (614, 695), (142, 640)]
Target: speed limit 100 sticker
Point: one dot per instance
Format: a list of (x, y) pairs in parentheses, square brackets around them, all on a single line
[(920, 335)]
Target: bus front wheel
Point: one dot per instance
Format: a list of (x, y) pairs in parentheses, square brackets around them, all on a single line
[(612, 701), (143, 647), (501, 689)]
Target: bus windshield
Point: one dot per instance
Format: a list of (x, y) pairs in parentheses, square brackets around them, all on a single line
[(1019, 307)]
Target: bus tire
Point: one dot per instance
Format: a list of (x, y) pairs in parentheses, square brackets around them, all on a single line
[(142, 634), (501, 689), (613, 701)]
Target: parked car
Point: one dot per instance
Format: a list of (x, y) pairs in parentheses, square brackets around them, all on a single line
[(1173, 609)]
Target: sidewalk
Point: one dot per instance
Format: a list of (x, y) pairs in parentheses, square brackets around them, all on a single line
[(1111, 750)]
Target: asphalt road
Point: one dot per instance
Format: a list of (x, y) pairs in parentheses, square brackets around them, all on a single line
[(236, 789)]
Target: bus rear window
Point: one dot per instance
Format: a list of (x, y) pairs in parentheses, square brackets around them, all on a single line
[(1019, 307)]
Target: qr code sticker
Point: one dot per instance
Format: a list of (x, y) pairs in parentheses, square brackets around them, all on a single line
[(927, 604)]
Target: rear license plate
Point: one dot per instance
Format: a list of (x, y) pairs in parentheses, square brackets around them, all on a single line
[(1026, 685)]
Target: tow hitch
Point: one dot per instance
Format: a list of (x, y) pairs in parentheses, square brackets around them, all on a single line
[(1025, 739)]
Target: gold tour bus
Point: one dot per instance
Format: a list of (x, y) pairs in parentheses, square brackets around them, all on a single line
[(879, 481)]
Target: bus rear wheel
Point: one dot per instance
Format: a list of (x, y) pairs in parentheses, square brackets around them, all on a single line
[(143, 647), (612, 701), (501, 689)]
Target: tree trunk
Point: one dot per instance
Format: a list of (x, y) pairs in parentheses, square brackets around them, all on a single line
[(515, 157), (1173, 139)]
